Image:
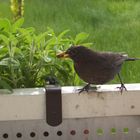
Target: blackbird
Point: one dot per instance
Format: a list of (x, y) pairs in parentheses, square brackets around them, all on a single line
[(96, 67)]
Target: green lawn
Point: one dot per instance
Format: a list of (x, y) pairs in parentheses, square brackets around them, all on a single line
[(113, 25)]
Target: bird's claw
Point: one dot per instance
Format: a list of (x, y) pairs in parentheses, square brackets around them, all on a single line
[(122, 88), (87, 88)]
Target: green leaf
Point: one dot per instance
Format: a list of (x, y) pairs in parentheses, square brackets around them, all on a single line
[(80, 38), (3, 62), (62, 71), (26, 35), (5, 85), (9, 61), (50, 31), (51, 42), (17, 24), (87, 44), (18, 51), (62, 34), (3, 51), (5, 39), (5, 24), (13, 39), (40, 37)]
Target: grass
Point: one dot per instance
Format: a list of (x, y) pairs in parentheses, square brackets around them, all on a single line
[(113, 25)]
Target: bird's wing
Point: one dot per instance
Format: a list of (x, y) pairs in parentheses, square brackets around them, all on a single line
[(113, 59)]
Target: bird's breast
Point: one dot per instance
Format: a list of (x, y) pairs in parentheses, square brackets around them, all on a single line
[(94, 73)]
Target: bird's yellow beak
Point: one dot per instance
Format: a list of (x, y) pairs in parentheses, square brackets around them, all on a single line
[(63, 55)]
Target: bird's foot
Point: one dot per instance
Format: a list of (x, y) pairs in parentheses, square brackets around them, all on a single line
[(86, 88), (122, 88)]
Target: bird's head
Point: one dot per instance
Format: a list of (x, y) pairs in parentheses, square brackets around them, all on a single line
[(74, 52)]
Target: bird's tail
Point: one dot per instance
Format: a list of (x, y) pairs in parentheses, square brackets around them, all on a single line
[(132, 59)]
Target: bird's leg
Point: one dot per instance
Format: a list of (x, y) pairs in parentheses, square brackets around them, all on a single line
[(122, 87), (85, 88)]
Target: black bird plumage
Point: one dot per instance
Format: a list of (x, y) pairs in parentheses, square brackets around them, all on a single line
[(96, 67)]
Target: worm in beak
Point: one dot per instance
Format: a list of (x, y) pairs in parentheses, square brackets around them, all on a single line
[(63, 55)]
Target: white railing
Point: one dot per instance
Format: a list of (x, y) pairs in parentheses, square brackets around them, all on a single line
[(102, 115), (26, 104)]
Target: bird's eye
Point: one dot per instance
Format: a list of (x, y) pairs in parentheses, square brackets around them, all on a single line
[(73, 52)]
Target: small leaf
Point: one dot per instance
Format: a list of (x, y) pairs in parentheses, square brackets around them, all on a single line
[(5, 85), (51, 42), (40, 37), (62, 71), (17, 24), (87, 44), (5, 24), (62, 34), (81, 37), (9, 61), (5, 39), (50, 31)]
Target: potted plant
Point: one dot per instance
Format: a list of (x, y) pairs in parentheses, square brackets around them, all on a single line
[(28, 58)]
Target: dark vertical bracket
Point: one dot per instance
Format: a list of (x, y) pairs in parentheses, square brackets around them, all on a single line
[(53, 106)]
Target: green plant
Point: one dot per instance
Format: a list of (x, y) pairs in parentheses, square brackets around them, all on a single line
[(27, 58)]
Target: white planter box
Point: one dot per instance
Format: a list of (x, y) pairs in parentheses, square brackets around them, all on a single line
[(24, 111), (26, 104)]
